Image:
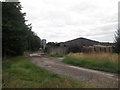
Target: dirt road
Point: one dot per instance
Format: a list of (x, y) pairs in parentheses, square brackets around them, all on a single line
[(97, 78)]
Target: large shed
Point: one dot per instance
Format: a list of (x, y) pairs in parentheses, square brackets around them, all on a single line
[(78, 45)]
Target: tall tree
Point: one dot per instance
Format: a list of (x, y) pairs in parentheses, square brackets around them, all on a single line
[(117, 45), (33, 41), (16, 33), (14, 28)]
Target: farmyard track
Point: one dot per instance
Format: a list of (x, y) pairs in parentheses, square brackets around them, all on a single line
[(97, 78)]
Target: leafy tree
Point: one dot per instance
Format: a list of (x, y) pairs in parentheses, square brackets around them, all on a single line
[(33, 41), (53, 44), (117, 45), (13, 28), (16, 33)]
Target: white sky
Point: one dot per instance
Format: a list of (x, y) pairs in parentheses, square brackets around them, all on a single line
[(63, 20)]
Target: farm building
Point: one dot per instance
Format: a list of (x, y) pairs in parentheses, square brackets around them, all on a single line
[(80, 42), (57, 50), (78, 45)]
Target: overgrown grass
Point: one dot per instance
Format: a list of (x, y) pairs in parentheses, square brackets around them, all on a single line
[(113, 57), (19, 72), (106, 65)]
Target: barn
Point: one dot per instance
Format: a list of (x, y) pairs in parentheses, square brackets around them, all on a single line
[(78, 45)]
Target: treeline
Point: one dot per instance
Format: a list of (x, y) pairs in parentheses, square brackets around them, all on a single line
[(17, 36)]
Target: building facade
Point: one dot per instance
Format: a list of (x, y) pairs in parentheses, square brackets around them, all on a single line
[(78, 45)]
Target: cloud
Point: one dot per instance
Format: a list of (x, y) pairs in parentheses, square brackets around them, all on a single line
[(63, 20)]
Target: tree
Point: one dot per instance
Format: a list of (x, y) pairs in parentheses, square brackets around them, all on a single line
[(117, 44), (17, 36), (33, 41), (13, 28)]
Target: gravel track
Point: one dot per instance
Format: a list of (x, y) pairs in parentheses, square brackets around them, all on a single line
[(98, 78)]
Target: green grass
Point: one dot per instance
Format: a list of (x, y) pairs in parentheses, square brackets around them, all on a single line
[(55, 55), (107, 66), (19, 72)]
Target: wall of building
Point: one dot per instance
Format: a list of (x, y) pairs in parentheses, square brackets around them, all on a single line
[(57, 50), (78, 45)]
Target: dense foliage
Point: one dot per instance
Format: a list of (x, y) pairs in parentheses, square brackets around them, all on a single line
[(17, 35), (117, 45)]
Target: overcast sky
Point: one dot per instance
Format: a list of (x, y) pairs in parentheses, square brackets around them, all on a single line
[(63, 20)]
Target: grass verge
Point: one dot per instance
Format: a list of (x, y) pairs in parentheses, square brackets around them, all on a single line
[(19, 72), (107, 66)]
